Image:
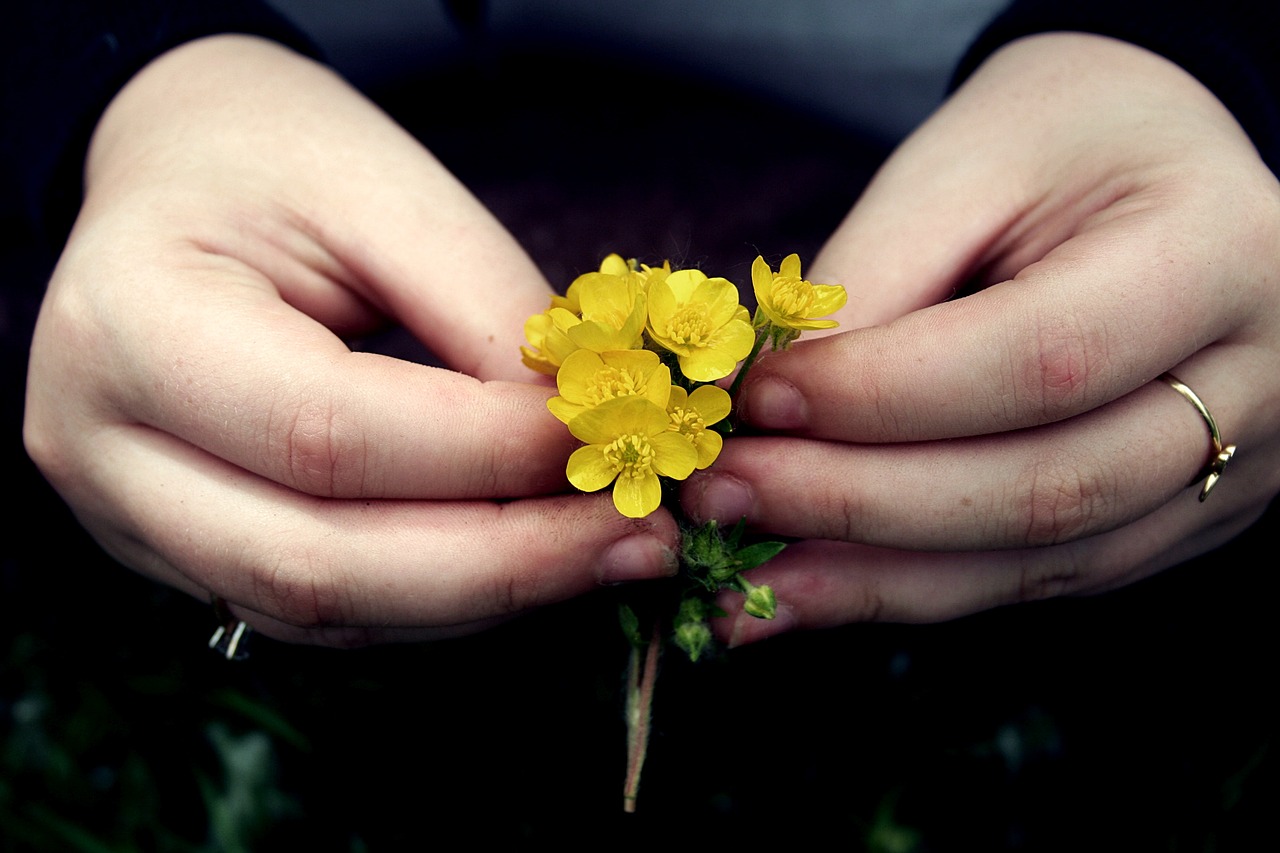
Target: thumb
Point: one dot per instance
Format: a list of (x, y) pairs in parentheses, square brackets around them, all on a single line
[(442, 264), (938, 211)]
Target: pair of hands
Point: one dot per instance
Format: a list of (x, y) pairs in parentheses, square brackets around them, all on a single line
[(191, 398)]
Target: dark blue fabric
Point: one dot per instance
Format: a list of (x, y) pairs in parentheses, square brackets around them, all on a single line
[(1228, 45), (61, 63)]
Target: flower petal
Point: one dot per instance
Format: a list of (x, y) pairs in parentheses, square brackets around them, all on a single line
[(711, 402), (761, 278), (708, 445), (827, 299), (617, 417), (720, 296), (673, 455), (574, 378), (588, 469), (683, 283), (563, 410), (636, 497), (613, 264), (730, 345), (662, 306), (790, 266)]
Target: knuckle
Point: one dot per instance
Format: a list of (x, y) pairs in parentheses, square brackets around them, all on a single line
[(516, 580), (509, 593), (867, 604), (834, 600), (489, 471), (298, 590), (889, 416), (324, 451), (1067, 358), (1039, 580), (44, 450), (836, 514), (1060, 502)]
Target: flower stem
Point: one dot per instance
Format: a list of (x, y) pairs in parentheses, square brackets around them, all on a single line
[(761, 334), (641, 678)]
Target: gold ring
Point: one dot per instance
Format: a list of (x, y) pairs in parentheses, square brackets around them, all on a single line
[(1219, 455)]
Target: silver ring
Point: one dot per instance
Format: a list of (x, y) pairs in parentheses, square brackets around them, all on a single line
[(231, 639)]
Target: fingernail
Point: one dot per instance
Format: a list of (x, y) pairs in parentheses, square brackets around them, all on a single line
[(635, 558), (749, 629), (774, 403), (722, 498)]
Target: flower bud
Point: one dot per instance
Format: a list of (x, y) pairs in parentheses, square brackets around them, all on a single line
[(761, 602)]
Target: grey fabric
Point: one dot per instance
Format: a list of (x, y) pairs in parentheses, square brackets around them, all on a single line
[(878, 66)]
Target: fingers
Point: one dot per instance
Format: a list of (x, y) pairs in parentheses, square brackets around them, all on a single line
[(253, 154), (826, 584), (215, 256), (1034, 487), (1100, 316), (230, 368), (1099, 235), (343, 572), (1035, 142), (190, 398)]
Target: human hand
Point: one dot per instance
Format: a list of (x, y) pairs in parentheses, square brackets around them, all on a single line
[(1115, 223), (191, 399)]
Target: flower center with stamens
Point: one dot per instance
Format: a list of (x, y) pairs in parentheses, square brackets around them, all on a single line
[(609, 383), (690, 326), (630, 455), (688, 423), (792, 297)]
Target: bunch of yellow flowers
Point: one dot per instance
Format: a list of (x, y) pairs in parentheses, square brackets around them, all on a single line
[(636, 352)]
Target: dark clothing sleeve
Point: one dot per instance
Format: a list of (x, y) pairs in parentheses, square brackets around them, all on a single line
[(60, 65), (1228, 45)]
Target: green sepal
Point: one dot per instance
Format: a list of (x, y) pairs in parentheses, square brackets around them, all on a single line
[(761, 602), (693, 639), (691, 633), (713, 559), (780, 337), (707, 556)]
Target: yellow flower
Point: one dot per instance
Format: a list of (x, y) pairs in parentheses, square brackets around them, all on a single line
[(628, 444), (613, 313), (569, 301), (587, 379), (788, 301), (600, 311), (639, 273), (692, 414), (699, 319), (614, 265), (549, 341)]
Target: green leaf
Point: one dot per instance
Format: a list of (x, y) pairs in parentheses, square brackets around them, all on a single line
[(735, 535), (755, 555)]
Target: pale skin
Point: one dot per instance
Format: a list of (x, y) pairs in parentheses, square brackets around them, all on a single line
[(945, 457), (192, 399)]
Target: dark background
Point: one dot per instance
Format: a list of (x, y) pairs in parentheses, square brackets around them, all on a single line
[(1139, 720)]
